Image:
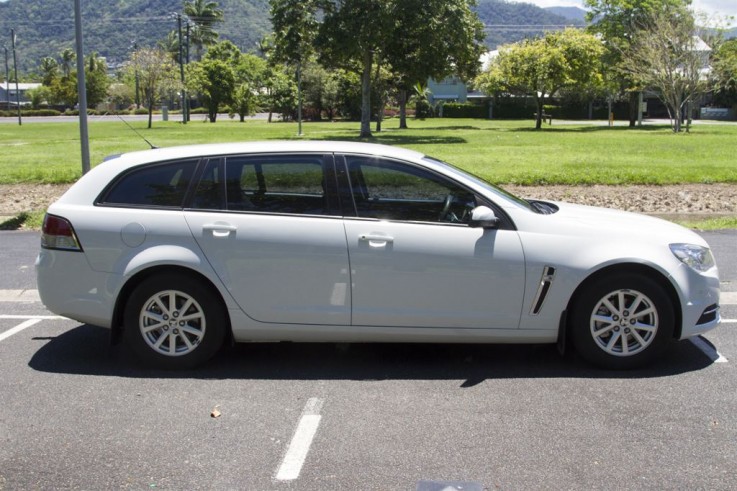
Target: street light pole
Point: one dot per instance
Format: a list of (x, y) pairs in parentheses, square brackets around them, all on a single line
[(81, 88), (187, 58), (15, 74), (138, 89)]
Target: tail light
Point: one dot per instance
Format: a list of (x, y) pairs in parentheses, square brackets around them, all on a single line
[(58, 233)]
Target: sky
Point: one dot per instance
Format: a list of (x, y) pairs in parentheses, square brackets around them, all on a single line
[(712, 8)]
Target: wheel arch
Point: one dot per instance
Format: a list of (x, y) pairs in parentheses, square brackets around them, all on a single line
[(143, 275), (631, 268)]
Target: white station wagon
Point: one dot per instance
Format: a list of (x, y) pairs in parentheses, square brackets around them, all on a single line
[(181, 249)]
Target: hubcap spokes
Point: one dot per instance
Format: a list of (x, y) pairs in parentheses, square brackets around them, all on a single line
[(172, 323), (624, 322)]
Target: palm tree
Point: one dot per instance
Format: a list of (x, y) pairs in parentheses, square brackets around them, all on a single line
[(68, 56), (170, 44), (49, 70), (204, 14)]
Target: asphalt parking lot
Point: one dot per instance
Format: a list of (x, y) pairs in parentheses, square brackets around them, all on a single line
[(79, 414)]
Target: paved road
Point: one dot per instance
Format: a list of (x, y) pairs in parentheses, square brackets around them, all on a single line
[(129, 118), (78, 414)]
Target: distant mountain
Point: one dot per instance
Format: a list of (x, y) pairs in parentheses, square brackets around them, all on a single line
[(111, 27), (509, 22), (572, 13)]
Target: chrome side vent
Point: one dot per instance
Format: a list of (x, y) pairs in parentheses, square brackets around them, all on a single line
[(542, 291)]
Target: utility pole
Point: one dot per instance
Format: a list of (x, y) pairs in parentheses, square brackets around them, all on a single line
[(7, 79), (181, 69), (81, 88), (15, 74)]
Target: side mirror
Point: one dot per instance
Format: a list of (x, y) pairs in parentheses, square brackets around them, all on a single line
[(483, 217)]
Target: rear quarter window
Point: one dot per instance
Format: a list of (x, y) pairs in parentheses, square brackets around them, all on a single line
[(156, 185)]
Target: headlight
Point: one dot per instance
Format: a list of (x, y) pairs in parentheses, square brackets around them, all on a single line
[(697, 257)]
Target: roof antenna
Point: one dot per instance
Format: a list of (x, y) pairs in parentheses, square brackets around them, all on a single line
[(137, 133)]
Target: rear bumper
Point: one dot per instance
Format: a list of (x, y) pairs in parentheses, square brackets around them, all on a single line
[(69, 287)]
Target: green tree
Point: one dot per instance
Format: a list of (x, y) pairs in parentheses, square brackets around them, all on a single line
[(244, 101), (68, 56), (432, 39), (214, 79), (664, 55), (724, 73), (49, 70), (351, 34), (39, 96), (156, 74), (281, 92), (538, 68), (295, 28), (617, 21), (97, 81), (170, 44), (204, 14)]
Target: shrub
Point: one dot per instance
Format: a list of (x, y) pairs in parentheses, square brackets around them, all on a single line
[(467, 110)]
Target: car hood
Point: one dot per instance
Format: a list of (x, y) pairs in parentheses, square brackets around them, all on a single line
[(587, 220)]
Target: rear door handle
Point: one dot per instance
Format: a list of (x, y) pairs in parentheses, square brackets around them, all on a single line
[(376, 240), (219, 229)]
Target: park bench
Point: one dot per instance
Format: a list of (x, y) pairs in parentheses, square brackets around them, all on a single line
[(549, 117)]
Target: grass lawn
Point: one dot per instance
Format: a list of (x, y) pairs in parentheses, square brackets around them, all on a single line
[(500, 151)]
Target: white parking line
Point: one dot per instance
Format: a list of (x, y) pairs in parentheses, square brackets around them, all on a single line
[(728, 298), (19, 328), (42, 317), (708, 350), (296, 454), (19, 296)]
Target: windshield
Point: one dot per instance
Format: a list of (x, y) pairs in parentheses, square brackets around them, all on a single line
[(486, 185)]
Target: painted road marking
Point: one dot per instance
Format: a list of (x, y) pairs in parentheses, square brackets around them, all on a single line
[(728, 298), (296, 454), (709, 350), (42, 317), (19, 328), (19, 296)]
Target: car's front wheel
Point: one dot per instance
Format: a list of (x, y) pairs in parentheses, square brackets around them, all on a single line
[(622, 321), (173, 321)]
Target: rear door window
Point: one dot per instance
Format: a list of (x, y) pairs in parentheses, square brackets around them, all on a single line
[(292, 184)]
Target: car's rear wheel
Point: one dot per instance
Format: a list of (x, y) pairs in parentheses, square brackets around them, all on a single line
[(622, 321), (174, 321)]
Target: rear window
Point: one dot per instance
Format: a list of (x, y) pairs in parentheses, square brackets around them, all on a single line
[(160, 185)]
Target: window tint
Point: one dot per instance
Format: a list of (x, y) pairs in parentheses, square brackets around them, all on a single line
[(153, 185), (210, 191), (278, 184), (390, 190)]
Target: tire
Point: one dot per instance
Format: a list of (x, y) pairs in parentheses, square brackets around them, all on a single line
[(173, 321), (622, 321)]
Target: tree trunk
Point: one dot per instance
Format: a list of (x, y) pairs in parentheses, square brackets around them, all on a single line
[(539, 115), (366, 95), (634, 106), (402, 109), (150, 114)]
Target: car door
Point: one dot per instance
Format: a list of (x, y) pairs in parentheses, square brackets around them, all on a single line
[(270, 228), (415, 261)]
